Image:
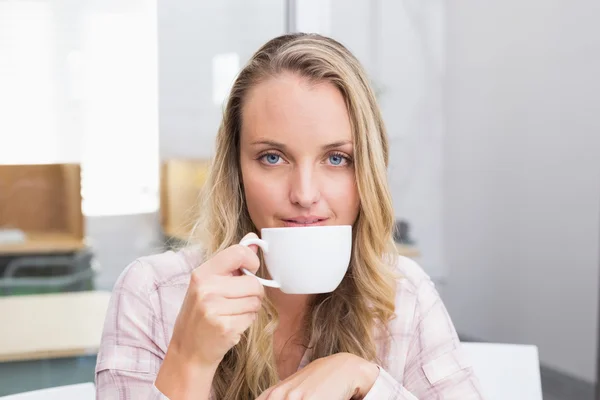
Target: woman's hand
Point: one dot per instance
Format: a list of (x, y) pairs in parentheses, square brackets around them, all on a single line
[(341, 376), (220, 304)]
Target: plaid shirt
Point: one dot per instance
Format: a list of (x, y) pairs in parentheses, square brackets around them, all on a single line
[(422, 360)]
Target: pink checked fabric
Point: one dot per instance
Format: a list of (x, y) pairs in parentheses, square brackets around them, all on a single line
[(422, 359)]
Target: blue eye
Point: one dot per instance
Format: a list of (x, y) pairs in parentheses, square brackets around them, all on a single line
[(271, 158), (336, 159)]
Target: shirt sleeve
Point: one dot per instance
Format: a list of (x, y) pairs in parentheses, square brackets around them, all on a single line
[(387, 388), (132, 346), (436, 367)]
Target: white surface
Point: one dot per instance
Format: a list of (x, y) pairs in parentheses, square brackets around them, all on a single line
[(83, 391), (305, 260), (12, 236), (506, 371), (522, 176)]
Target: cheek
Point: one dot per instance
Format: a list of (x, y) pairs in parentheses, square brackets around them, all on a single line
[(342, 197), (262, 197)]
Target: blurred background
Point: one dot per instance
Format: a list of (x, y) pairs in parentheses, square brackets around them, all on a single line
[(109, 110)]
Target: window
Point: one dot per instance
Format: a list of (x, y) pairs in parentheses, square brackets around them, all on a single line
[(84, 90), (28, 114)]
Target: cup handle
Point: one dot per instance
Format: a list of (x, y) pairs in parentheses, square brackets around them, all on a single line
[(265, 247)]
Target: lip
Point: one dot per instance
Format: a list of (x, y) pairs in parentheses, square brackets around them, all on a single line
[(310, 220)]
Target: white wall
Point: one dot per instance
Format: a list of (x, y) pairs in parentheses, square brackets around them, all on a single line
[(190, 34), (522, 175), (412, 64)]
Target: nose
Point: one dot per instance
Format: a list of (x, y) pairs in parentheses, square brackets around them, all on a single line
[(304, 186)]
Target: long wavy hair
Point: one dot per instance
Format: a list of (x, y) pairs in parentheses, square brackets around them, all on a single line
[(364, 300)]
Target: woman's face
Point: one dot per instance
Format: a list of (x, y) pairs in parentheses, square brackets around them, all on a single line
[(296, 155)]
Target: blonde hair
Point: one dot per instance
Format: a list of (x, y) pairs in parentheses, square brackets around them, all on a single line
[(365, 298)]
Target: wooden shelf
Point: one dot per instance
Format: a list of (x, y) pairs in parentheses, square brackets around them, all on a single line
[(181, 181), (44, 202), (53, 325), (44, 243)]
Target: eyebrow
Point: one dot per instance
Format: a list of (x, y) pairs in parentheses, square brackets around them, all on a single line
[(282, 146)]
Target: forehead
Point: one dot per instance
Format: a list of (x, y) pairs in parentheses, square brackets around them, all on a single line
[(290, 109)]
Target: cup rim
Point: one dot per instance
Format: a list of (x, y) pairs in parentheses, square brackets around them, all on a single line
[(280, 228)]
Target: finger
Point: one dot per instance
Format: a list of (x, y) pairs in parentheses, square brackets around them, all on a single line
[(233, 287), (243, 305), (252, 247), (265, 395), (239, 323), (280, 392), (233, 258), (294, 386)]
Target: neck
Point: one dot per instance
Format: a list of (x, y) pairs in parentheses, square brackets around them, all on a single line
[(291, 308)]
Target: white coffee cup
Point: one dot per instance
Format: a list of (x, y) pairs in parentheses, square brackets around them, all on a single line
[(304, 260)]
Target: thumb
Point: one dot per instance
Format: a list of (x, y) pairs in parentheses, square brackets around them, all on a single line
[(251, 235)]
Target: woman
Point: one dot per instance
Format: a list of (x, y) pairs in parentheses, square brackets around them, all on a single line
[(301, 143)]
